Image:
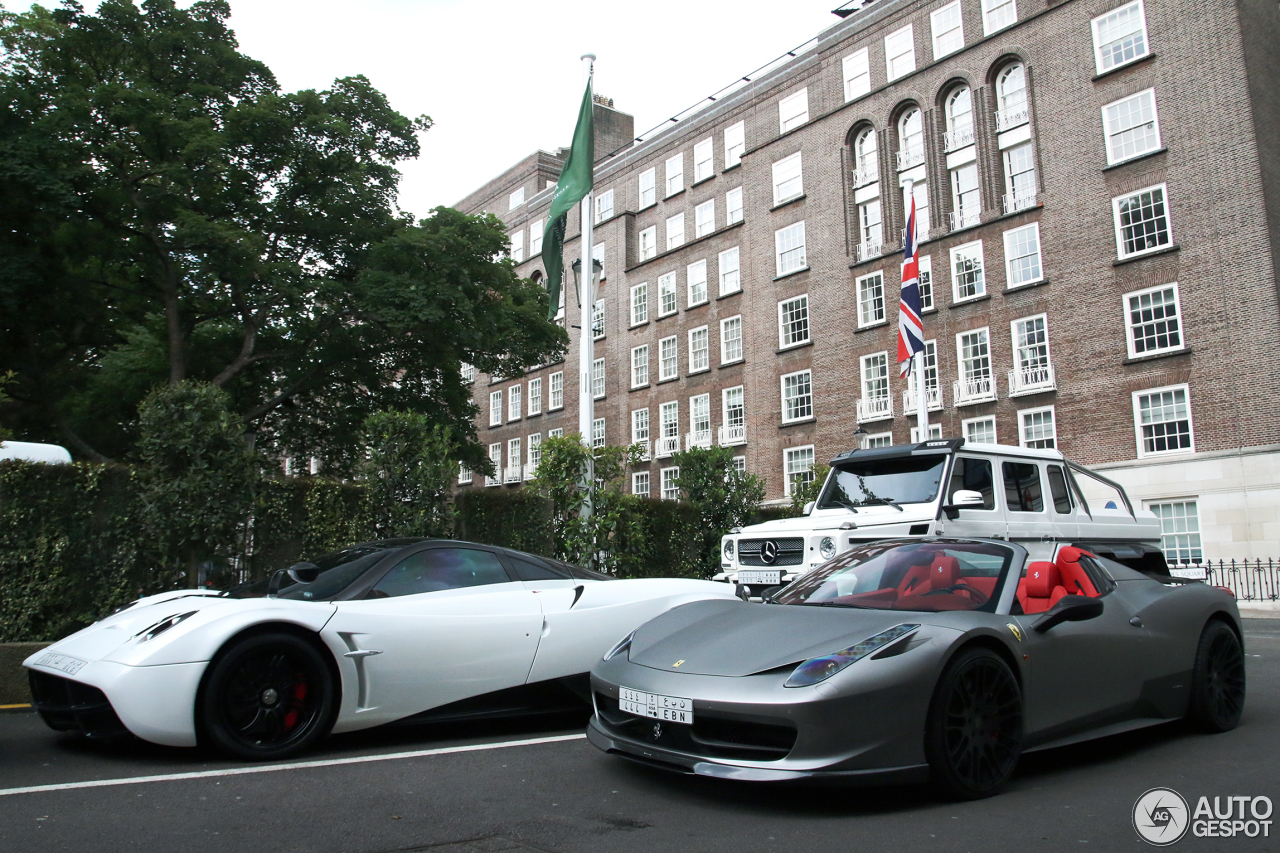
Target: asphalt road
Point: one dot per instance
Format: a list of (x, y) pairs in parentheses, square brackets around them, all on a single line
[(463, 791)]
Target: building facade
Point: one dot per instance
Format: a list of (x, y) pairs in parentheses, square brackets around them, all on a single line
[(1096, 183)]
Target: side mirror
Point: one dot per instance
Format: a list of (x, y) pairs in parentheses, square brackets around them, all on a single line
[(808, 508), (1070, 608), (961, 499), (304, 572), (768, 596)]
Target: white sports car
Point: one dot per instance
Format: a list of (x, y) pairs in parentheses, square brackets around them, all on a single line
[(371, 634)]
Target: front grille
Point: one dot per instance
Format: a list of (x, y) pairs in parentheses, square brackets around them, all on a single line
[(709, 736), (68, 705), (790, 552)]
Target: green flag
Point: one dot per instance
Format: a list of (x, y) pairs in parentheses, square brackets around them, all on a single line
[(575, 182)]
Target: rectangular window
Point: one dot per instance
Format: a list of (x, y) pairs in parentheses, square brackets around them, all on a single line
[(648, 242), (495, 456), (1022, 255), (517, 246), (733, 206), (668, 359), (514, 393), (514, 454), (797, 467), (704, 218), (935, 431), (535, 238), (1154, 320), (675, 231), (495, 408), (703, 166), (1179, 530), (948, 31), (1023, 491), (640, 483), (700, 419), (875, 383), (926, 282), (597, 378), (882, 439), (967, 279), (966, 200), (669, 422), (1120, 37), (1036, 429), (1031, 368), (787, 179), (640, 303), (696, 282), (464, 474), (979, 430), (515, 199), (557, 391), (699, 349), (597, 254), (604, 206), (1162, 417), (735, 142), (900, 53), (974, 353), (647, 184), (1142, 222), (870, 233), (797, 396), (639, 426), (597, 432), (640, 366), (730, 280), (666, 294), (871, 299), (1132, 126), (597, 320), (671, 484), (535, 396), (1020, 178), (920, 192), (535, 453), (789, 248), (467, 372), (1058, 489), (857, 75), (930, 378), (674, 175), (734, 411), (793, 111), (998, 14), (556, 433), (731, 339), (793, 322)]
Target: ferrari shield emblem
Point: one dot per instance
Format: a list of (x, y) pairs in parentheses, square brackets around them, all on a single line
[(1015, 630)]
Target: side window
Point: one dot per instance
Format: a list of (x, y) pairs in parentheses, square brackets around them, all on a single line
[(439, 569), (528, 570), (1058, 489), (1022, 489), (974, 475)]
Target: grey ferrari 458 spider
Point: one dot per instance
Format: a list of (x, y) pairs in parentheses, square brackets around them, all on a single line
[(904, 660)]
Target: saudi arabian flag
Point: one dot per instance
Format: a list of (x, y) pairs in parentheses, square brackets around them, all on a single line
[(575, 182)]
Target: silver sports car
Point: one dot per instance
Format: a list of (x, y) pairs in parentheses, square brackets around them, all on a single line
[(904, 660)]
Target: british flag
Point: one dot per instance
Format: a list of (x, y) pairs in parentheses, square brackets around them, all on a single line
[(910, 326)]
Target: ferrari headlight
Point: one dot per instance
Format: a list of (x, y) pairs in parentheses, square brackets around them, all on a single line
[(728, 550), (162, 626), (827, 547), (819, 669), (624, 645)]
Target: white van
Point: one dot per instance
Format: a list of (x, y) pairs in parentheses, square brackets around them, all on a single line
[(1036, 498)]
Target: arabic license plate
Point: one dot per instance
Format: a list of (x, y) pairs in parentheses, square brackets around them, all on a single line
[(759, 576), (671, 709), (62, 663)]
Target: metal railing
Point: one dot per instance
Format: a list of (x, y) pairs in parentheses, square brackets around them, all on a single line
[(932, 396), (644, 447), (909, 157), (666, 446), (954, 140), (1248, 580), (875, 408), (1007, 119), (513, 474), (1031, 380), (862, 177), (979, 389), (869, 249), (531, 470), (1019, 200), (731, 435), (964, 218), (698, 438)]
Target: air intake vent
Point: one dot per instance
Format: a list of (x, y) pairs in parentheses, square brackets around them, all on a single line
[(919, 530)]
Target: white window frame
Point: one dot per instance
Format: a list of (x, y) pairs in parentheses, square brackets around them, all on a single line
[(1024, 414), (667, 288), (703, 160), (638, 478), (857, 74), (673, 176), (464, 474), (670, 483), (883, 439), (695, 279), (1109, 135), (648, 243), (597, 320), (534, 445), (535, 397), (732, 196), (1097, 47), (789, 467), (727, 419), (782, 235), (784, 307), (598, 433), (1168, 221), (558, 432), (729, 269), (640, 366), (874, 361), (467, 372), (799, 418), (1010, 237), (1143, 453), (495, 456), (495, 408), (960, 251), (704, 218), (646, 186), (735, 143), (597, 379), (937, 36), (989, 7), (967, 422), (787, 171), (604, 206), (515, 455), (640, 431), (668, 354), (727, 325), (699, 349), (866, 308), (535, 238), (935, 431), (640, 303), (960, 361), (1014, 337), (555, 391), (1169, 535), (675, 231), (515, 199), (517, 245), (926, 269), (1127, 309), (515, 400), (896, 41), (793, 110)]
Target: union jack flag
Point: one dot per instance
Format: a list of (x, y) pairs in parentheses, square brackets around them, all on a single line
[(910, 326)]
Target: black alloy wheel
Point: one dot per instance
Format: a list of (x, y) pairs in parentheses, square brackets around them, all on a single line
[(973, 735), (267, 696), (1218, 682)]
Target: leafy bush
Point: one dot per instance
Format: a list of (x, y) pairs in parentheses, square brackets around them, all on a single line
[(410, 470), (660, 540), (723, 496), (298, 518), (512, 518), (591, 540), (810, 490)]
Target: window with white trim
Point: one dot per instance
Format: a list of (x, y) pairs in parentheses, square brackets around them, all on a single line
[(467, 372), (1019, 177), (696, 282), (910, 139), (974, 350), (535, 396), (735, 142), (1153, 320), (730, 279), (793, 110), (464, 474), (640, 483), (998, 14), (700, 417), (935, 431), (556, 386), (699, 349), (666, 294), (675, 231), (640, 366), (558, 432), (648, 242), (1179, 530), (514, 394), (495, 456), (704, 218), (966, 199), (1011, 95), (870, 229), (674, 174), (866, 159), (788, 182), (515, 454), (793, 321), (669, 421), (881, 439), (668, 358), (857, 75), (733, 410), (930, 373), (740, 464), (597, 378), (597, 254), (733, 206), (1162, 418), (517, 245), (640, 425), (535, 450), (789, 248), (671, 484), (899, 53), (797, 468), (871, 299), (875, 379), (597, 320), (515, 199), (640, 303), (495, 408), (947, 29), (979, 430), (959, 113), (920, 192), (1036, 429), (967, 278), (797, 396), (647, 185), (604, 206), (703, 163), (1022, 255), (926, 282), (1030, 337), (597, 432), (1132, 126), (1142, 222), (535, 238), (560, 306), (1120, 37), (731, 339)]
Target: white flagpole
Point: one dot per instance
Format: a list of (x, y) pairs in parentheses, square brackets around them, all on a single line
[(586, 335), (922, 408)]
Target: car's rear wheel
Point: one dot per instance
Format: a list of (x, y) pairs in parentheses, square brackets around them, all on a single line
[(973, 735), (1217, 682), (267, 696)]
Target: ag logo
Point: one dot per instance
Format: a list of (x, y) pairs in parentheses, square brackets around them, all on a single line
[(768, 552), (1160, 817)]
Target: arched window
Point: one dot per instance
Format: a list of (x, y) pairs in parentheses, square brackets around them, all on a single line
[(866, 164), (959, 118), (910, 139), (1011, 89)]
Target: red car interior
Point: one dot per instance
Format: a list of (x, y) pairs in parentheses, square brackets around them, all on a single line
[(1045, 583)]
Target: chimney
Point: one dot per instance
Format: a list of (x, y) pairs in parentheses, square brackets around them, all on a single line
[(614, 130)]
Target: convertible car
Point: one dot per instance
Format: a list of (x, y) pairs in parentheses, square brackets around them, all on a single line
[(371, 634), (909, 659)]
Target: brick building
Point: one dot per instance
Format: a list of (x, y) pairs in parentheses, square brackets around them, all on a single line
[(1099, 192)]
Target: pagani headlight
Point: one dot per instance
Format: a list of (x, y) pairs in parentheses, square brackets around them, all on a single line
[(162, 626), (624, 645), (819, 669), (827, 547)]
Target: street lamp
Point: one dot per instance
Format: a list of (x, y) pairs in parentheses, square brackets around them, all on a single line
[(596, 266), (860, 436)]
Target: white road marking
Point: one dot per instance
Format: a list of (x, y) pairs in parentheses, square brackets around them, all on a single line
[(272, 768)]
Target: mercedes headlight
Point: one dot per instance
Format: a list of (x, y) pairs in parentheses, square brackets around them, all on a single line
[(624, 645), (827, 547), (728, 550), (819, 669)]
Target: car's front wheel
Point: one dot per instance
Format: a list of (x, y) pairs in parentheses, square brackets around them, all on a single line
[(973, 735), (1217, 681), (267, 696)]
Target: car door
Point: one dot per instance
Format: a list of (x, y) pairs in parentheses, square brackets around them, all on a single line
[(1024, 500), (975, 474), (445, 623)]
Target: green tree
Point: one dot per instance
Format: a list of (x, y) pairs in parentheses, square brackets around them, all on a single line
[(809, 491), (723, 495), (592, 541), (411, 470)]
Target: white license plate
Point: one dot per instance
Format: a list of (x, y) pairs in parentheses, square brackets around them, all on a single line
[(758, 576), (672, 709), (62, 663)]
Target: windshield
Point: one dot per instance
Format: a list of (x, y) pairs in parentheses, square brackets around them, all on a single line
[(337, 572), (876, 482), (928, 576)]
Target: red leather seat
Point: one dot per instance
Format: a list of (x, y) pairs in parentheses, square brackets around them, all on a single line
[(1074, 578), (1041, 588), (944, 573)]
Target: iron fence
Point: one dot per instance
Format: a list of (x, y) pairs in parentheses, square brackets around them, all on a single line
[(1250, 580)]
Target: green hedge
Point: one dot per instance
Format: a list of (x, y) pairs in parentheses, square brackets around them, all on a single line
[(664, 543), (511, 518), (299, 518)]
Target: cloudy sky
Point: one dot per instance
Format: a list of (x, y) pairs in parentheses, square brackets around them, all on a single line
[(502, 78)]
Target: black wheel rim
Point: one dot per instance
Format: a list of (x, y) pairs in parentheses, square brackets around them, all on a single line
[(1225, 678), (272, 699), (982, 725)]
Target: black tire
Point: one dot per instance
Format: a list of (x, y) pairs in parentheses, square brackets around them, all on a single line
[(973, 735), (1217, 681), (266, 697)]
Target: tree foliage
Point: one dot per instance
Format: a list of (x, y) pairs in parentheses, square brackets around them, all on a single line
[(809, 491), (723, 495), (411, 473)]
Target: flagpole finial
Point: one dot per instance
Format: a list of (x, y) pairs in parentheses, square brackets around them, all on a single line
[(590, 56)]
